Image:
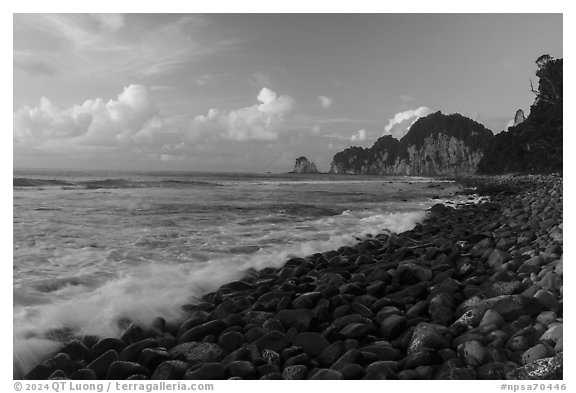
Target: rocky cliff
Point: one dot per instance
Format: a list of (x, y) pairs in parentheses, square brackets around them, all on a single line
[(535, 144), (302, 165), (437, 144)]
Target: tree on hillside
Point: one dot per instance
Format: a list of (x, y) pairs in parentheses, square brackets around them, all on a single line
[(550, 84)]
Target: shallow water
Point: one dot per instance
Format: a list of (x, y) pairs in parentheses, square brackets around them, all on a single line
[(91, 248)]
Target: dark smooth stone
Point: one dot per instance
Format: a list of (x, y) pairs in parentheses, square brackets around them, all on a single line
[(311, 342), (170, 370), (152, 357), (123, 370), (84, 374), (273, 340), (240, 368), (132, 351), (195, 352), (105, 345), (295, 372), (101, 364), (200, 331), (77, 351), (326, 374)]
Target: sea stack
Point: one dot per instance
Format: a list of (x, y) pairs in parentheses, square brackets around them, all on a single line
[(519, 118), (303, 166)]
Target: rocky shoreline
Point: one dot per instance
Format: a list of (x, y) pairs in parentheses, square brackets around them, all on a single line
[(471, 293)]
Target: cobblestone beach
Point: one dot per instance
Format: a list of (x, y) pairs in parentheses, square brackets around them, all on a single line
[(473, 292)]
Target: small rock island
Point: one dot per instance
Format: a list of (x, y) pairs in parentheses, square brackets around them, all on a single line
[(303, 166)]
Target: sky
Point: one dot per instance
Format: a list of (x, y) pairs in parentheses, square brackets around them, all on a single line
[(252, 92)]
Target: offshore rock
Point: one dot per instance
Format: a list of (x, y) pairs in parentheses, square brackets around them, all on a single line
[(303, 166)]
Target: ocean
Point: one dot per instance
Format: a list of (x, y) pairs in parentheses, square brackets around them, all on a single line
[(92, 248)]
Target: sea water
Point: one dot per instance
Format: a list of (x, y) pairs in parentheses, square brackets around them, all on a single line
[(93, 248)]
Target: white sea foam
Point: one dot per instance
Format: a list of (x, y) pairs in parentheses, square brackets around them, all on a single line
[(149, 290)]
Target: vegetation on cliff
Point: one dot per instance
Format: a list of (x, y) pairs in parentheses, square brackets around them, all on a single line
[(391, 156), (535, 145)]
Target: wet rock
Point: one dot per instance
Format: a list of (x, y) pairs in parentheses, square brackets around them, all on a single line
[(101, 364), (472, 353), (503, 288), (351, 356), (40, 371), (123, 370), (231, 340), (133, 334), (495, 370), (426, 336), (355, 330), (152, 357), (510, 307), (549, 301), (542, 369), (497, 258), (271, 357), (196, 353), (306, 300), (170, 370), (295, 372), (58, 374), (553, 334), (206, 371), (331, 353), (325, 373), (84, 374), (77, 350), (132, 351), (424, 357), (539, 351), (253, 333), (383, 352), (105, 345), (299, 319), (545, 318), (492, 317), (312, 343), (272, 376), (379, 370), (393, 325), (301, 359), (240, 368), (198, 332), (273, 340)]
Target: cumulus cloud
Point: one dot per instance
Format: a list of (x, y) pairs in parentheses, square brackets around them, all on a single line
[(130, 118), (398, 125), (359, 136), (325, 101), (406, 98), (261, 121)]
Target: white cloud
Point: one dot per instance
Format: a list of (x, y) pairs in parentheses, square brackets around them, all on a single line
[(397, 125), (132, 118), (257, 122), (406, 98), (325, 101), (315, 129), (359, 136)]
